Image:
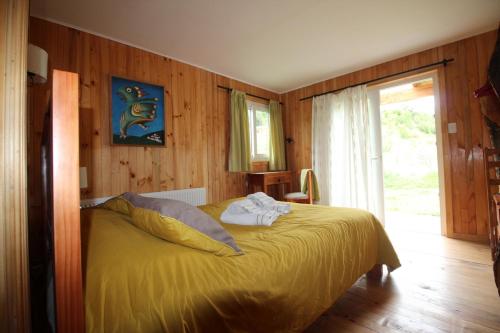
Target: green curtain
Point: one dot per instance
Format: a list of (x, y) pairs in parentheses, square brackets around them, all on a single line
[(239, 148), (277, 160)]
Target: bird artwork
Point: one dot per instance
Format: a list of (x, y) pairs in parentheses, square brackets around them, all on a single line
[(138, 115), (138, 110)]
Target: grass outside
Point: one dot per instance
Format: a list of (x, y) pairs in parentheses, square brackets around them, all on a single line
[(421, 201), (411, 183), (396, 181)]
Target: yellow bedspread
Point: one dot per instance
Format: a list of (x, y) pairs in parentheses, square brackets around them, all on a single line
[(291, 273)]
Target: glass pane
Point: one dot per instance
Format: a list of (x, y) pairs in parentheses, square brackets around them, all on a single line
[(262, 132), (252, 130)]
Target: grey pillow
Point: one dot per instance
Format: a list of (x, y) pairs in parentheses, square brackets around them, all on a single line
[(187, 214)]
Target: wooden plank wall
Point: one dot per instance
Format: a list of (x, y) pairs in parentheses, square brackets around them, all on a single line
[(198, 121), (464, 171), (197, 118), (14, 277)]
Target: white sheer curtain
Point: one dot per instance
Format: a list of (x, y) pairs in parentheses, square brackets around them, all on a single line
[(342, 149)]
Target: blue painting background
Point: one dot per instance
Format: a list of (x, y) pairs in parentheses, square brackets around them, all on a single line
[(118, 105)]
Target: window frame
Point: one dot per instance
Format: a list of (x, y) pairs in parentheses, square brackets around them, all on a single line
[(252, 107)]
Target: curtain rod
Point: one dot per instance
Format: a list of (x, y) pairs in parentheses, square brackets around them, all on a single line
[(229, 89), (443, 62)]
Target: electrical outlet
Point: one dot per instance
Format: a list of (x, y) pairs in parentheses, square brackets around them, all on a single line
[(452, 128)]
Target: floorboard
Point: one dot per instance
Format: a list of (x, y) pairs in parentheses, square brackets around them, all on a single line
[(444, 285)]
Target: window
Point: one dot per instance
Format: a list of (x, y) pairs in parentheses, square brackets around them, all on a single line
[(258, 116)]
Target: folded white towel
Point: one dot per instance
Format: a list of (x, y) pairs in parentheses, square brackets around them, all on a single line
[(265, 219), (256, 209), (263, 200)]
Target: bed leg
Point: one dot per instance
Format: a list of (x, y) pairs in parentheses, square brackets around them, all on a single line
[(375, 273)]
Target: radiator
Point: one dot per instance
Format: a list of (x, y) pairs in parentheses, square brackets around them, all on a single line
[(192, 196)]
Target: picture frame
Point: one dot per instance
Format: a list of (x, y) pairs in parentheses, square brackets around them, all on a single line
[(137, 113)]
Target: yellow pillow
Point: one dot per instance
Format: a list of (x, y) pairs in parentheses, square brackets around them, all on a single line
[(119, 205), (175, 231)]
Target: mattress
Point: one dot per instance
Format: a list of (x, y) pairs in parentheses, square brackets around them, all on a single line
[(290, 273)]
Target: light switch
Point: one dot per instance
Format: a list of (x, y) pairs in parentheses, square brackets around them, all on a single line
[(452, 128)]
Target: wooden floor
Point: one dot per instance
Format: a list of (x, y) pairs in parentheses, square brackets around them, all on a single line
[(444, 285)]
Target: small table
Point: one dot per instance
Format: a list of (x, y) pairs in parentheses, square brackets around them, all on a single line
[(263, 180)]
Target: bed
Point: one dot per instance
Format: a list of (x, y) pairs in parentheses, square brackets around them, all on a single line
[(290, 273)]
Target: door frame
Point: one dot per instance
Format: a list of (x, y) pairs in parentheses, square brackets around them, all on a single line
[(434, 75)]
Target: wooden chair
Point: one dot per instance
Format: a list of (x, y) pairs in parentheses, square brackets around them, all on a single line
[(492, 188), (301, 197)]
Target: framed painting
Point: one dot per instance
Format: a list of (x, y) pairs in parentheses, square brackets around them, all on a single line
[(137, 113)]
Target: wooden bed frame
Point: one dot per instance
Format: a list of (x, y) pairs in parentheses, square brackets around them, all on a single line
[(65, 198)]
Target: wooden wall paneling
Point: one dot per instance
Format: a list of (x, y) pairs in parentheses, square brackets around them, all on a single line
[(202, 103), (149, 162), (66, 204), (85, 133), (211, 179), (470, 217), (115, 152), (167, 166), (472, 144), (134, 70), (14, 277), (230, 180), (446, 230), (196, 123), (217, 143), (452, 85), (190, 120), (115, 170), (190, 128), (174, 120), (188, 131), (287, 128), (475, 131), (211, 147), (178, 124), (461, 157), (305, 141), (196, 120), (154, 163), (197, 131), (466, 209), (485, 46), (287, 121), (221, 144), (489, 105), (207, 88), (299, 153), (103, 127), (96, 86)]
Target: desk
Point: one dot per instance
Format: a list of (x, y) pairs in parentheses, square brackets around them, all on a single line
[(262, 181)]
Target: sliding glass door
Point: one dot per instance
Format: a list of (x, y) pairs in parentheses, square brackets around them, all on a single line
[(406, 157)]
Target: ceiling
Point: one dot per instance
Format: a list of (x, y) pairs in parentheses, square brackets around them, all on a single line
[(278, 45)]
